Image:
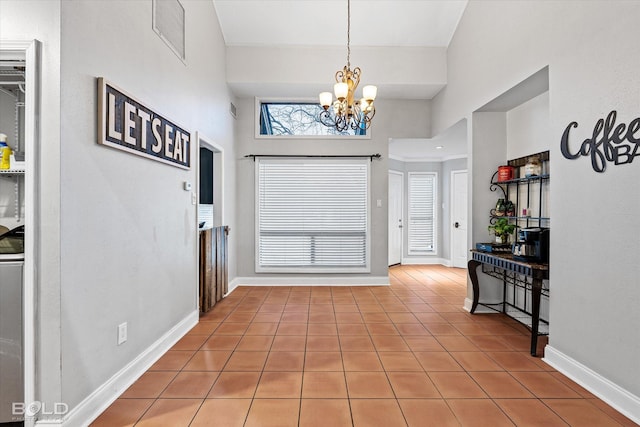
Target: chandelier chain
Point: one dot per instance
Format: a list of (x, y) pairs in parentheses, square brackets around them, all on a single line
[(348, 33)]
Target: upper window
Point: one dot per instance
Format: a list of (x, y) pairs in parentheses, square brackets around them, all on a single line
[(296, 119), (422, 213)]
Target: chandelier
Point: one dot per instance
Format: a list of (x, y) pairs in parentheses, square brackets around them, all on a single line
[(347, 112)]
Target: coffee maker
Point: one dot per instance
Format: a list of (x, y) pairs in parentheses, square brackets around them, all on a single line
[(532, 245)]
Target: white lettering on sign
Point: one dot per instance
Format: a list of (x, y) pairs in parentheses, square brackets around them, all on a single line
[(126, 124)]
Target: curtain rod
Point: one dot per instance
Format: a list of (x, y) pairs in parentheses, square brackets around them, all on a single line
[(355, 156)]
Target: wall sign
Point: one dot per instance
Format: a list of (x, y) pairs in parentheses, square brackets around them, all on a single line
[(129, 125), (608, 143)]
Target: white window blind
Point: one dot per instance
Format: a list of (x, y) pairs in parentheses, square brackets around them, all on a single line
[(312, 215), (422, 214)]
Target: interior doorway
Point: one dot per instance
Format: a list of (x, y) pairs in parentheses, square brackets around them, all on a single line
[(459, 213), (210, 188), (396, 192)]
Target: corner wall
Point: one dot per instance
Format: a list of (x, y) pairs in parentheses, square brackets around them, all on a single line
[(594, 301)]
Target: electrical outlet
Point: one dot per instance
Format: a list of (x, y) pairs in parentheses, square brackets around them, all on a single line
[(122, 333)]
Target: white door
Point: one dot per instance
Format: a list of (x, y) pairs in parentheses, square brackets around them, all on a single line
[(396, 191), (459, 246)]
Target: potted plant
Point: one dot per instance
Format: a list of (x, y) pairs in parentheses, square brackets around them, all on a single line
[(502, 229)]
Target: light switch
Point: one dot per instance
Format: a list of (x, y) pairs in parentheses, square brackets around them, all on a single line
[(379, 203), (187, 186), (194, 198)]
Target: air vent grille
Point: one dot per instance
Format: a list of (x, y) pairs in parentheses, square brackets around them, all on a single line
[(168, 23)]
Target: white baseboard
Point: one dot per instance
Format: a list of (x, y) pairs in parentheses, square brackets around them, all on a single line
[(425, 261), (310, 281), (91, 407), (623, 401)]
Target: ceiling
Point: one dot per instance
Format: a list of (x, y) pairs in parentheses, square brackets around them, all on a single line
[(374, 23), (450, 144), (324, 22)]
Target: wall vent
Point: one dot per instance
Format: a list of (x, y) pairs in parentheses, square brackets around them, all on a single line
[(168, 23), (232, 110)]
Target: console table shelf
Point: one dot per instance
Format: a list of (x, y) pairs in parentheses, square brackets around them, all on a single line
[(521, 275)]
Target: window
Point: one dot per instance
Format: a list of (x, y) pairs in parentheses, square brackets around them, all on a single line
[(422, 213), (312, 215), (296, 119)]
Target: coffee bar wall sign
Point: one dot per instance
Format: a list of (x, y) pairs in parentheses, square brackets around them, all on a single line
[(129, 125), (617, 144)]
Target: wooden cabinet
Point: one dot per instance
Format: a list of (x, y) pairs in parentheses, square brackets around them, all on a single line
[(213, 266)]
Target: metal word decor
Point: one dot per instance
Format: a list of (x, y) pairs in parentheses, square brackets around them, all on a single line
[(609, 142), (126, 124)]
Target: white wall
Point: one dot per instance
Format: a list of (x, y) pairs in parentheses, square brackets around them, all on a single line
[(393, 119), (528, 128), (594, 303)]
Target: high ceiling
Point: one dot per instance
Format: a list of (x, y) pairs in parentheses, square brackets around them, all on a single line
[(324, 22)]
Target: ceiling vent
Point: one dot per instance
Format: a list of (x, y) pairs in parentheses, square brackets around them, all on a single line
[(168, 23)]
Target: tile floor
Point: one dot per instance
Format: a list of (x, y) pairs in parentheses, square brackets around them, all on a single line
[(404, 355)]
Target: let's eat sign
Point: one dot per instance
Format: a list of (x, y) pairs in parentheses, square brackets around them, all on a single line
[(129, 125)]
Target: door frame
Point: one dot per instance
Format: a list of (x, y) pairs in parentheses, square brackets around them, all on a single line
[(402, 210), (451, 198), (218, 153), (29, 51)]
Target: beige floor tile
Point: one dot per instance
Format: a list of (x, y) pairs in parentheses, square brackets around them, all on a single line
[(427, 413), (172, 360), (376, 412), (529, 413), (235, 385), (478, 413), (206, 360), (278, 385), (170, 412), (456, 385), (412, 385), (324, 385), (285, 361), (361, 361), (323, 361), (150, 385), (188, 385), (325, 413), (222, 412), (364, 385), (273, 413), (123, 413)]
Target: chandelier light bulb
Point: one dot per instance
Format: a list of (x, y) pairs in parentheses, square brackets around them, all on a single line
[(369, 92), (325, 99), (341, 90)]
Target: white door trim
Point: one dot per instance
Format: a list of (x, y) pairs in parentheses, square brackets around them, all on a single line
[(29, 50)]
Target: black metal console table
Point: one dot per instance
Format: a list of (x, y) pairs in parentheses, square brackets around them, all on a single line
[(520, 274)]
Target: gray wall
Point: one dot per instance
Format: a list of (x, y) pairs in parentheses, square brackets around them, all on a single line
[(119, 238), (129, 232), (394, 119), (595, 297)]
